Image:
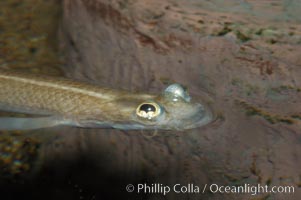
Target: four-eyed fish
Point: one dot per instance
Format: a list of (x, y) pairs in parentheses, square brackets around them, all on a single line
[(65, 102)]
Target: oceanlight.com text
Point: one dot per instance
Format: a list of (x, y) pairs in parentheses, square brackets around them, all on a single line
[(190, 188)]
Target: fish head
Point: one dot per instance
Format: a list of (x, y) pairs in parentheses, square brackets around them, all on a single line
[(172, 110)]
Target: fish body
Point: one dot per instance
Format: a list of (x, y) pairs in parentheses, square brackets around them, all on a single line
[(60, 101)]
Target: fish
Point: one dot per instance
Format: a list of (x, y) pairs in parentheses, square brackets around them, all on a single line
[(55, 101)]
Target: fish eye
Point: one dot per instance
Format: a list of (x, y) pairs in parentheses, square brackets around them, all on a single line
[(177, 91), (148, 110)]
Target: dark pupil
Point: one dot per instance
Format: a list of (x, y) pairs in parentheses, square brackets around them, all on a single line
[(147, 108)]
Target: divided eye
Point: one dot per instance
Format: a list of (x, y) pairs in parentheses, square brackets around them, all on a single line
[(148, 110), (177, 91)]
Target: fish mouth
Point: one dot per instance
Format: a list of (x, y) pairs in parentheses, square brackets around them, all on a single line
[(201, 120), (201, 117)]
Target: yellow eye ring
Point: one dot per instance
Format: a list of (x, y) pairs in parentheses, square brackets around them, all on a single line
[(148, 110)]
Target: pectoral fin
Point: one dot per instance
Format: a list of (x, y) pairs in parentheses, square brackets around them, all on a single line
[(28, 123)]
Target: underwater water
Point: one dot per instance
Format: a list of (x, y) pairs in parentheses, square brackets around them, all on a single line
[(241, 58)]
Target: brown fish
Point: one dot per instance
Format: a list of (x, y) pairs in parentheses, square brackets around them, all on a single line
[(67, 102)]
